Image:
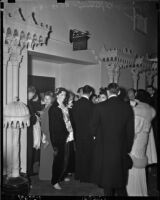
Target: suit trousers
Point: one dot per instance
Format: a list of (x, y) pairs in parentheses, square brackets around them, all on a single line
[(60, 162), (30, 150)]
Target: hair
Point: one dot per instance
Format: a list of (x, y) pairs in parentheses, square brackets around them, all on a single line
[(131, 89), (143, 96), (79, 89), (71, 94), (93, 95), (59, 90), (150, 86), (32, 89), (68, 97), (49, 93), (113, 88), (103, 91), (88, 89)]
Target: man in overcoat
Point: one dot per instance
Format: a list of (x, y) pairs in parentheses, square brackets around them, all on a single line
[(113, 126)]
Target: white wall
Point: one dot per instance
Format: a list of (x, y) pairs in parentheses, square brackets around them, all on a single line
[(42, 67), (74, 76), (68, 75)]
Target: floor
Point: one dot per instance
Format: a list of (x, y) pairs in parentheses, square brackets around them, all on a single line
[(75, 188)]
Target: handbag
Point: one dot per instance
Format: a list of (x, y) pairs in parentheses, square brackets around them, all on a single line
[(37, 134)]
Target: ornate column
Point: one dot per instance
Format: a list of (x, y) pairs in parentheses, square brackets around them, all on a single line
[(5, 64), (115, 59), (110, 72), (19, 33), (135, 76), (151, 73), (15, 60), (16, 117), (116, 73)]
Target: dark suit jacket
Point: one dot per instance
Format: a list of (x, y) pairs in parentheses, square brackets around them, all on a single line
[(57, 127), (82, 112), (31, 108), (113, 121)]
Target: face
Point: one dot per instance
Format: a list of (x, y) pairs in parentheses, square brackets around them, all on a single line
[(76, 98), (30, 95), (131, 95), (94, 99), (47, 100), (80, 93), (102, 98), (61, 96), (150, 91)]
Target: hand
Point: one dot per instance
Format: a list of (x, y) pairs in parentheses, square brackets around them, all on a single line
[(55, 151), (46, 144), (44, 138), (70, 137)]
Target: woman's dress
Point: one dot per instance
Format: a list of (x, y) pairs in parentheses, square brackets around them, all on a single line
[(143, 150), (46, 156)]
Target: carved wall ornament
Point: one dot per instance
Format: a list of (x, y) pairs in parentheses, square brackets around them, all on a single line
[(126, 58), (119, 58), (28, 31)]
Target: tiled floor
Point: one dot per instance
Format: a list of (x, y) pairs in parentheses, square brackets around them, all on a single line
[(75, 188)]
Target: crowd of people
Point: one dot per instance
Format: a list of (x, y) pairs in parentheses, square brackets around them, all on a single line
[(106, 139)]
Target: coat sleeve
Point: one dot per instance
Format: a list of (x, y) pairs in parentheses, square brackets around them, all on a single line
[(95, 121), (51, 125), (33, 118), (57, 127), (130, 130)]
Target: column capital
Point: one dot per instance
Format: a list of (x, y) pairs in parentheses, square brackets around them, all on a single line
[(135, 72), (110, 71), (15, 60), (135, 75), (116, 73)]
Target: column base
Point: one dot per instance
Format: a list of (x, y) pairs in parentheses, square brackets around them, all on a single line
[(15, 186)]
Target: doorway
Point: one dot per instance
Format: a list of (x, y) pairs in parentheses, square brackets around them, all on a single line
[(42, 83)]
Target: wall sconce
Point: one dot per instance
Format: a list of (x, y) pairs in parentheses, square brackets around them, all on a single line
[(79, 39)]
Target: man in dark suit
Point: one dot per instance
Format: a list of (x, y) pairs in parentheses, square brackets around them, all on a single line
[(113, 125), (82, 113)]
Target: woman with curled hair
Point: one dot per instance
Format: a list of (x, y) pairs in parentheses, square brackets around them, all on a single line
[(61, 132), (143, 150)]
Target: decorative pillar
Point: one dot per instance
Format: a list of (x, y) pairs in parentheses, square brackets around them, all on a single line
[(149, 77), (110, 72), (16, 114), (16, 118), (15, 60), (115, 59), (116, 73), (5, 63), (135, 76)]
